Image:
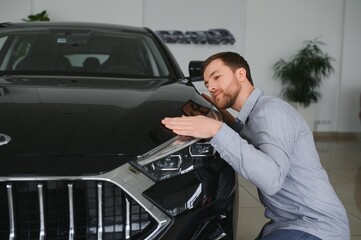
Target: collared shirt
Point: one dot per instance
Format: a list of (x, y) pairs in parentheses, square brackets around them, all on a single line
[(275, 151)]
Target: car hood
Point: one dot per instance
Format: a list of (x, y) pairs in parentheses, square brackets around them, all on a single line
[(83, 126)]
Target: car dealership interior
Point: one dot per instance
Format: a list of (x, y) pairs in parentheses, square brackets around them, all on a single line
[(263, 32)]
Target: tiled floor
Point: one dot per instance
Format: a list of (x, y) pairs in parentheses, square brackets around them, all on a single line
[(342, 160)]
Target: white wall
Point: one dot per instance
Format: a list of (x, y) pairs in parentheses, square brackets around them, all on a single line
[(185, 15), (14, 10), (265, 31), (276, 29), (350, 81), (125, 12)]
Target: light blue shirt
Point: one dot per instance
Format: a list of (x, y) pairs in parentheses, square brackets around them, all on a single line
[(275, 150)]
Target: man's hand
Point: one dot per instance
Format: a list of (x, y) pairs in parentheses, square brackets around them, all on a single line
[(195, 126)]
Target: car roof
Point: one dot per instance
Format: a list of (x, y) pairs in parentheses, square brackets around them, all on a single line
[(82, 25)]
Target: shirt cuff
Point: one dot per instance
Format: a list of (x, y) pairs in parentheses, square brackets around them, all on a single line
[(223, 137)]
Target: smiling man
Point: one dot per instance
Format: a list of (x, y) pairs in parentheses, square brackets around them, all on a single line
[(272, 147)]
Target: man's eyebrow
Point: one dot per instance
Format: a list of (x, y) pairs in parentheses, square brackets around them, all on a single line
[(211, 75)]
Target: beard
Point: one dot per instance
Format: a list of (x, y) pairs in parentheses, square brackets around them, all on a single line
[(224, 100), (228, 97)]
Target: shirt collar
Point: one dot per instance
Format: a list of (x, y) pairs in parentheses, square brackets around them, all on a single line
[(249, 104)]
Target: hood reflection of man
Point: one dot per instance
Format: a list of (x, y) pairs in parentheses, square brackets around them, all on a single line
[(190, 108)]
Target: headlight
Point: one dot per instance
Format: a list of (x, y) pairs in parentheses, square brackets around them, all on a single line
[(175, 157)]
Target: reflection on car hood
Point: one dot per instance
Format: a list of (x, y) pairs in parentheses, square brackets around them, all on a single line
[(69, 125)]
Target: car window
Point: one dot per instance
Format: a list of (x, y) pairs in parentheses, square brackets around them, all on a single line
[(90, 53)]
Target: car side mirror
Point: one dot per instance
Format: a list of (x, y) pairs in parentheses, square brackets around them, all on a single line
[(195, 71)]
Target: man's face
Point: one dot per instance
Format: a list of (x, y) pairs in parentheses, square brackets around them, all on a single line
[(222, 83)]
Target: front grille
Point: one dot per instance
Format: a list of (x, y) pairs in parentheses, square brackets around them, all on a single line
[(70, 210)]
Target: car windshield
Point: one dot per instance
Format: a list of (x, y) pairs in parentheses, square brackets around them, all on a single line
[(80, 52)]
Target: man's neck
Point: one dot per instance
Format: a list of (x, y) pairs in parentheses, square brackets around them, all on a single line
[(243, 95)]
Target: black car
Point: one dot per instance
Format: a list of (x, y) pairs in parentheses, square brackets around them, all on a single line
[(83, 154)]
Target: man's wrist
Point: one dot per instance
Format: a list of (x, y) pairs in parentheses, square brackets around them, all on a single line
[(217, 127)]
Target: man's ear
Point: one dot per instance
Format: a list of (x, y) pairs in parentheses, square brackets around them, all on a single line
[(241, 74)]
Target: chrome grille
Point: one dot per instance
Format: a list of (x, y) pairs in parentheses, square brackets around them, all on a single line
[(78, 209)]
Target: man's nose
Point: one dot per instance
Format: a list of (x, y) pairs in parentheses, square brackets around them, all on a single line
[(211, 87)]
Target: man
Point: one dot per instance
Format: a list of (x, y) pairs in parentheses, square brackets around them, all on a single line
[(274, 149)]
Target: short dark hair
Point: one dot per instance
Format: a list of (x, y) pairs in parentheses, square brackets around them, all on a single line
[(232, 60)]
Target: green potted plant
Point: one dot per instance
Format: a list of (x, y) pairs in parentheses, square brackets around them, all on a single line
[(42, 16), (302, 75)]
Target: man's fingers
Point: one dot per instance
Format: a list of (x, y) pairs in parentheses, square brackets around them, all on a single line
[(177, 123), (196, 126)]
